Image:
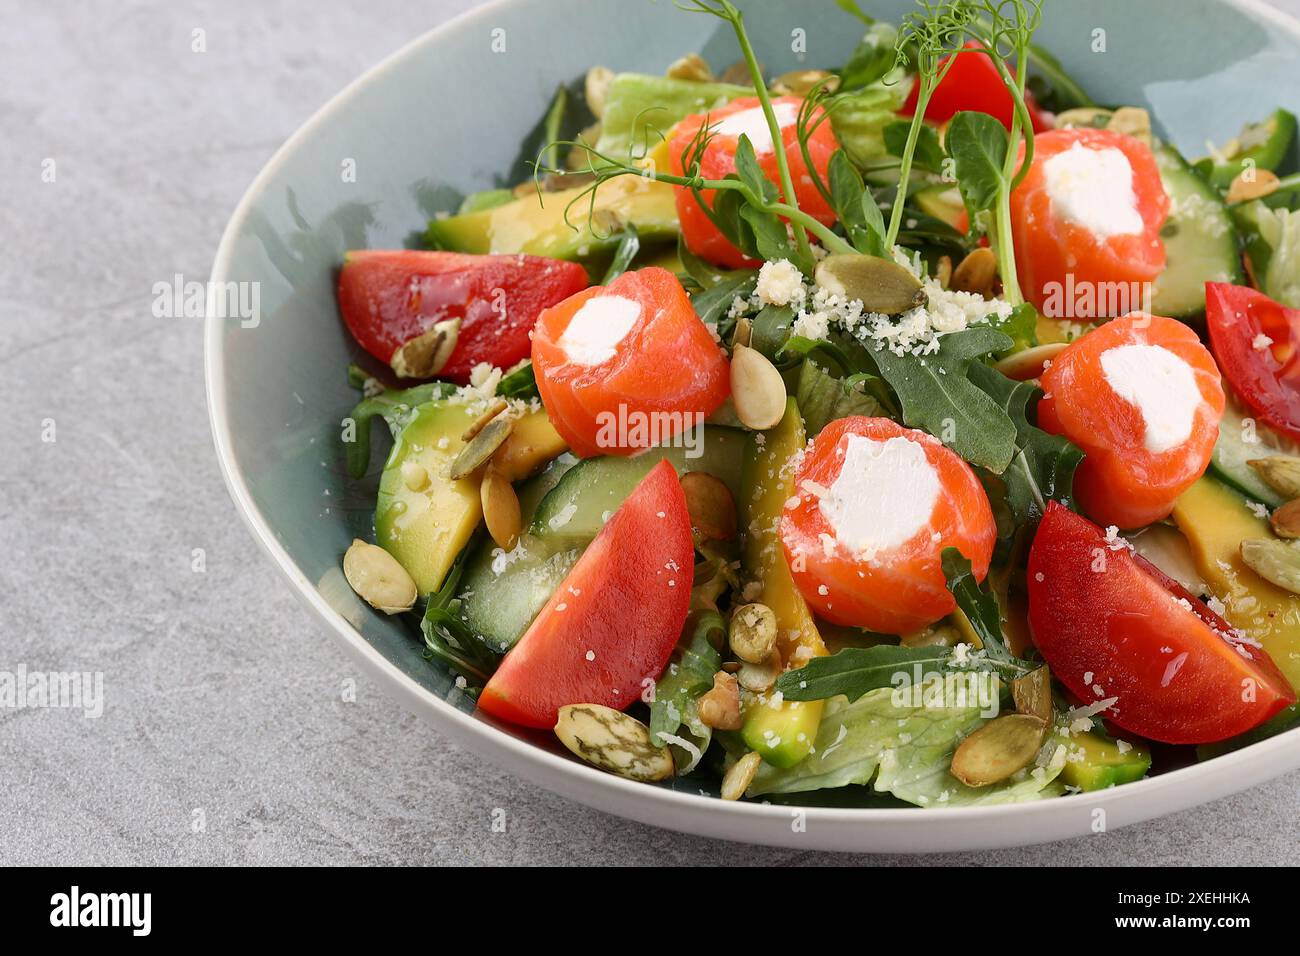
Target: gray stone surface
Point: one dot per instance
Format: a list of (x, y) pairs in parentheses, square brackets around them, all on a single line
[(224, 701)]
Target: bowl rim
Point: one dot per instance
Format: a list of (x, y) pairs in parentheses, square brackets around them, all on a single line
[(701, 814)]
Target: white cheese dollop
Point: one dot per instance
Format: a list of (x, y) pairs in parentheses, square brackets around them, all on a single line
[(596, 329), (1093, 188), (884, 495), (1161, 386), (753, 123)]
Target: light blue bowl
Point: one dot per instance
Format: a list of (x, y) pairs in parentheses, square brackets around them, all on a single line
[(445, 116)]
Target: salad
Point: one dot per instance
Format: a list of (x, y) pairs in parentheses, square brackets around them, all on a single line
[(914, 431)]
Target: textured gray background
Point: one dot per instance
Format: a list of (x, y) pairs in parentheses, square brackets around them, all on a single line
[(222, 695)]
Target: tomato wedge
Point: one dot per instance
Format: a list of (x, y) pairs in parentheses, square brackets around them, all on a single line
[(875, 505), (613, 623), (1257, 343), (1086, 224), (745, 115), (974, 83), (389, 297), (1141, 396), (1111, 626), (628, 365)]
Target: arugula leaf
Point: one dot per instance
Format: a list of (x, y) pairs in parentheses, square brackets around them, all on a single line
[(770, 331), (855, 671), (979, 606), (521, 383), (822, 398), (447, 637), (855, 207), (978, 145), (1021, 326), (394, 406), (705, 274), (714, 302), (936, 395), (1043, 467), (688, 675), (929, 154), (627, 249)]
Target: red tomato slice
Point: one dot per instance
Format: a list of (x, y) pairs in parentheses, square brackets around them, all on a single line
[(1110, 625), (613, 623), (1067, 270), (389, 297), (974, 83), (664, 375), (1129, 478), (746, 115), (901, 588), (1265, 375)]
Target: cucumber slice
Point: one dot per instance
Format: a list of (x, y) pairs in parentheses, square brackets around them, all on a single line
[(501, 592), (1235, 448), (1200, 241), (578, 507)]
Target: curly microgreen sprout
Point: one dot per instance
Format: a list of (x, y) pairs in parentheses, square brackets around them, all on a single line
[(1004, 30)]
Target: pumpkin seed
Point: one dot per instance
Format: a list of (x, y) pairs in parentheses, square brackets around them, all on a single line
[(744, 332), (720, 707), (425, 355), (1131, 121), (803, 82), (481, 447), (1285, 520), (596, 88), (710, 505), (976, 273), (757, 389), (692, 67), (737, 780), (1253, 183), (881, 285), (1093, 117), (943, 271), (495, 408), (1029, 363), (378, 578), (500, 509), (998, 749), (738, 74), (1280, 472), (1274, 561), (1033, 694), (753, 633), (613, 741), (759, 677)]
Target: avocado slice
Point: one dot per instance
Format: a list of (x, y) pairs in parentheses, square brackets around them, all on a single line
[(1095, 763), (782, 734), (1215, 519), (1265, 143), (422, 518), (545, 225)]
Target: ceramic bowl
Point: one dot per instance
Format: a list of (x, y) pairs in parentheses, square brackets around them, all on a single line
[(445, 116)]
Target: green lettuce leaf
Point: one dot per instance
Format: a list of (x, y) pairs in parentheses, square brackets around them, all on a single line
[(640, 108), (900, 747), (689, 674)]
